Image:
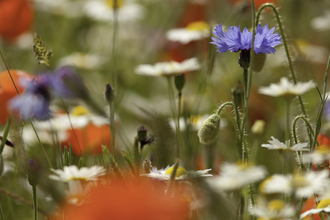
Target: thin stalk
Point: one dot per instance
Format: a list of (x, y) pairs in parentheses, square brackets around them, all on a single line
[(112, 128), (114, 43), (74, 133), (287, 127), (285, 47), (178, 133), (5, 135), (34, 189), (1, 213), (324, 97)]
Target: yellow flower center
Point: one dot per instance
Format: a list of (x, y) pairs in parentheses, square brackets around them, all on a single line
[(300, 181), (324, 203), (79, 111), (276, 205), (179, 172), (198, 26), (111, 3), (194, 119), (323, 149)]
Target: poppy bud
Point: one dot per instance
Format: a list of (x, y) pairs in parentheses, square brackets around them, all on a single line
[(210, 129)]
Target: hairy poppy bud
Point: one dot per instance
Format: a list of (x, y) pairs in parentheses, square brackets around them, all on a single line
[(210, 129)]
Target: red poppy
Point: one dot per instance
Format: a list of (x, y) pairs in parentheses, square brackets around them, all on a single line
[(308, 205), (16, 17), (90, 138), (129, 199), (8, 91), (257, 3)]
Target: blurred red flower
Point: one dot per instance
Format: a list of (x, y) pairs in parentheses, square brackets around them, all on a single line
[(125, 200), (257, 3), (16, 17)]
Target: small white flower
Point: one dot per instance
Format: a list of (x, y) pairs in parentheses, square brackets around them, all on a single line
[(102, 10), (236, 176), (275, 209), (82, 60), (168, 68), (194, 31), (318, 156), (73, 173), (277, 183), (286, 88), (66, 8), (321, 23), (181, 173), (275, 144), (303, 185)]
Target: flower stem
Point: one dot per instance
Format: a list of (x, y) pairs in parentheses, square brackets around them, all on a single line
[(114, 43), (285, 47), (112, 128), (178, 133), (287, 127), (34, 189)]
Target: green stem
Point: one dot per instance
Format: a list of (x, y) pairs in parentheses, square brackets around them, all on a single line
[(287, 127), (285, 47), (178, 133), (74, 132), (5, 135), (324, 98), (112, 128), (35, 201), (114, 43)]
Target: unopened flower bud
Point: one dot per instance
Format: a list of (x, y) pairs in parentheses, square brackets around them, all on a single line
[(179, 81), (142, 132), (109, 93), (33, 173), (259, 62), (238, 95), (210, 129)]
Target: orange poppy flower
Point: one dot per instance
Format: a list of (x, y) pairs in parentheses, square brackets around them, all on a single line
[(308, 205), (92, 131), (8, 91), (128, 199), (90, 138), (257, 3), (16, 17)]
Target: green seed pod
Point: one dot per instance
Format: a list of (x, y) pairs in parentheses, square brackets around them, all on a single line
[(179, 81), (259, 62), (209, 130)]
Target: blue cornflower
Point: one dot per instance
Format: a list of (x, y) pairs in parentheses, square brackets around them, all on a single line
[(234, 40), (35, 101)]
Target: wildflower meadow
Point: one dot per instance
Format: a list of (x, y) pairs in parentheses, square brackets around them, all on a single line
[(164, 109)]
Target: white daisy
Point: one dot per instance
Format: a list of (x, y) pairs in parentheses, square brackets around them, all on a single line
[(181, 173), (73, 173), (76, 193), (194, 31), (275, 144), (60, 7), (318, 156), (82, 60), (275, 209), (276, 183), (321, 23), (236, 176), (168, 68), (302, 185), (286, 88), (323, 206), (102, 10)]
